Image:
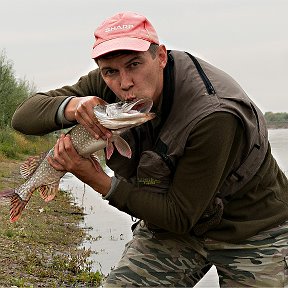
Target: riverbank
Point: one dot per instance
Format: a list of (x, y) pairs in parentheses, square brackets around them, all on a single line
[(42, 248), (277, 125)]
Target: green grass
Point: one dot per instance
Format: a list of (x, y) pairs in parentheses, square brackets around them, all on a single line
[(42, 249), (14, 145)]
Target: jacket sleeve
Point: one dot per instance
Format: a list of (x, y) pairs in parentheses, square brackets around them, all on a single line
[(210, 152), (37, 114)]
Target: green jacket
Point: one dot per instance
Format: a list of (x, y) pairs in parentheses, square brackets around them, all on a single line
[(213, 142)]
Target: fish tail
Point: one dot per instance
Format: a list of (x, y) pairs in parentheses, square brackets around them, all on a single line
[(17, 204), (16, 208)]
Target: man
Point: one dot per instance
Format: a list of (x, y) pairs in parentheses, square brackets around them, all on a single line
[(201, 178)]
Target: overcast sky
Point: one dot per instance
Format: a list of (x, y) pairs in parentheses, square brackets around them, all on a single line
[(50, 41)]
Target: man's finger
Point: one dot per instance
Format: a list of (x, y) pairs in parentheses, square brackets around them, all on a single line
[(85, 116), (55, 164)]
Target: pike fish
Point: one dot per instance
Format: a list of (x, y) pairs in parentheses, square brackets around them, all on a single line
[(41, 176)]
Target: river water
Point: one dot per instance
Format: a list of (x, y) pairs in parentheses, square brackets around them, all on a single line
[(109, 229)]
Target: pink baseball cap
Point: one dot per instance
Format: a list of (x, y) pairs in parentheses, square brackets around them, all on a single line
[(124, 31)]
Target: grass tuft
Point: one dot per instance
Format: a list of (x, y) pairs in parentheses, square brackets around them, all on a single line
[(42, 249), (14, 145)]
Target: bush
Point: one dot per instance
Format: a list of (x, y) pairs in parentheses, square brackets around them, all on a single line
[(12, 91), (7, 144), (14, 145), (8, 151)]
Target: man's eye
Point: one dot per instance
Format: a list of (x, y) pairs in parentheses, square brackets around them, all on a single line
[(110, 72), (134, 64)]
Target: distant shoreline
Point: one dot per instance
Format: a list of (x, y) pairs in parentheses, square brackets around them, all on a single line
[(277, 126)]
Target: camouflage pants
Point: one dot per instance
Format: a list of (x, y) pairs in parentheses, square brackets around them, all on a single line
[(169, 260)]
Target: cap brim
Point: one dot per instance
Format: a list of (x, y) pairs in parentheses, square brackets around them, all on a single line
[(134, 44)]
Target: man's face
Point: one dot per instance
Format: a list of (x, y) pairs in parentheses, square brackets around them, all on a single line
[(135, 75)]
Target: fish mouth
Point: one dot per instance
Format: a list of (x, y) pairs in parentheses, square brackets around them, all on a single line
[(124, 113), (143, 105), (124, 109)]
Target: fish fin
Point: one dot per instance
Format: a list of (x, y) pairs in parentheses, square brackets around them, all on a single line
[(95, 161), (122, 147), (28, 167), (17, 206), (48, 192), (95, 157), (109, 149)]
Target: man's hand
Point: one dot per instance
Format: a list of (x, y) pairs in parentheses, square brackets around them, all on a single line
[(81, 110), (88, 171)]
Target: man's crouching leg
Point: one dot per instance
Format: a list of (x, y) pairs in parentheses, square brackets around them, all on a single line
[(159, 259), (259, 261)]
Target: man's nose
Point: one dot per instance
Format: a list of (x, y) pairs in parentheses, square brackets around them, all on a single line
[(126, 81)]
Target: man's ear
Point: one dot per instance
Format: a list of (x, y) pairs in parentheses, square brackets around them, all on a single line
[(162, 56)]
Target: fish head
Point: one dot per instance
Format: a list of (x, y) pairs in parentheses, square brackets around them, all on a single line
[(124, 114)]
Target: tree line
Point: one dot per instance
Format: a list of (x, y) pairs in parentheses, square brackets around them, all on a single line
[(276, 120), (12, 90), (276, 117)]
